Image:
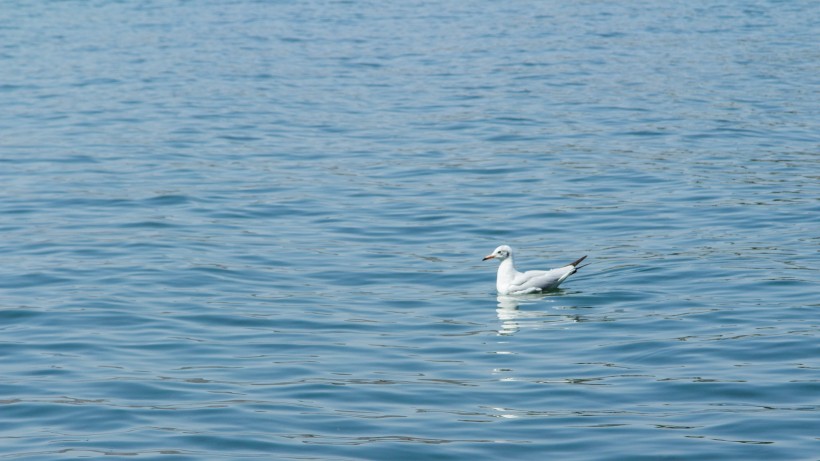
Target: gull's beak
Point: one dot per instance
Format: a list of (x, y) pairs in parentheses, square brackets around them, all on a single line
[(488, 257)]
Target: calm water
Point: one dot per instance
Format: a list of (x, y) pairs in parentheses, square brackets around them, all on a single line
[(254, 230)]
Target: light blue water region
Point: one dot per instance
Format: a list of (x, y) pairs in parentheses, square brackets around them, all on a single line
[(254, 230)]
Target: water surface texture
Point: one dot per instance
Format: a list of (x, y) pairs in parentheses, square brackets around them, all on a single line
[(254, 229)]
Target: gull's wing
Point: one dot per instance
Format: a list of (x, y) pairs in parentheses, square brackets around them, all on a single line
[(533, 281)]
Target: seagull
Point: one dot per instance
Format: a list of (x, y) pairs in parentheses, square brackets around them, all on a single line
[(512, 282)]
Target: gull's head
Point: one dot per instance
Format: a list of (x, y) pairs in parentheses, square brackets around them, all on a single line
[(501, 253)]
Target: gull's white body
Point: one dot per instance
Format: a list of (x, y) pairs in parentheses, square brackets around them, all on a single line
[(511, 282)]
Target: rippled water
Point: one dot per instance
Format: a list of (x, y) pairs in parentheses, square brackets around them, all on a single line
[(255, 230)]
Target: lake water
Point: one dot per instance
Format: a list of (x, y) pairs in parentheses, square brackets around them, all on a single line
[(254, 230)]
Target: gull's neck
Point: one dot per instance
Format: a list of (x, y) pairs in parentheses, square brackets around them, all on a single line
[(506, 274)]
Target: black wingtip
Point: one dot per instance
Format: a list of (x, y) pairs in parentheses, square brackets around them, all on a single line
[(575, 263)]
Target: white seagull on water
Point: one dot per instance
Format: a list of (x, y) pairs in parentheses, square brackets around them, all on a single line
[(512, 282)]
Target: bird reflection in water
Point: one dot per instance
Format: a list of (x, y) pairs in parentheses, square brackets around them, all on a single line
[(513, 319)]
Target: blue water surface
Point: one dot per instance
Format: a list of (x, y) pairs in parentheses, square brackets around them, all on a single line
[(254, 229)]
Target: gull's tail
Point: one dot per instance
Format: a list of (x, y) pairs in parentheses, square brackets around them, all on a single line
[(578, 261), (574, 269), (575, 265)]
